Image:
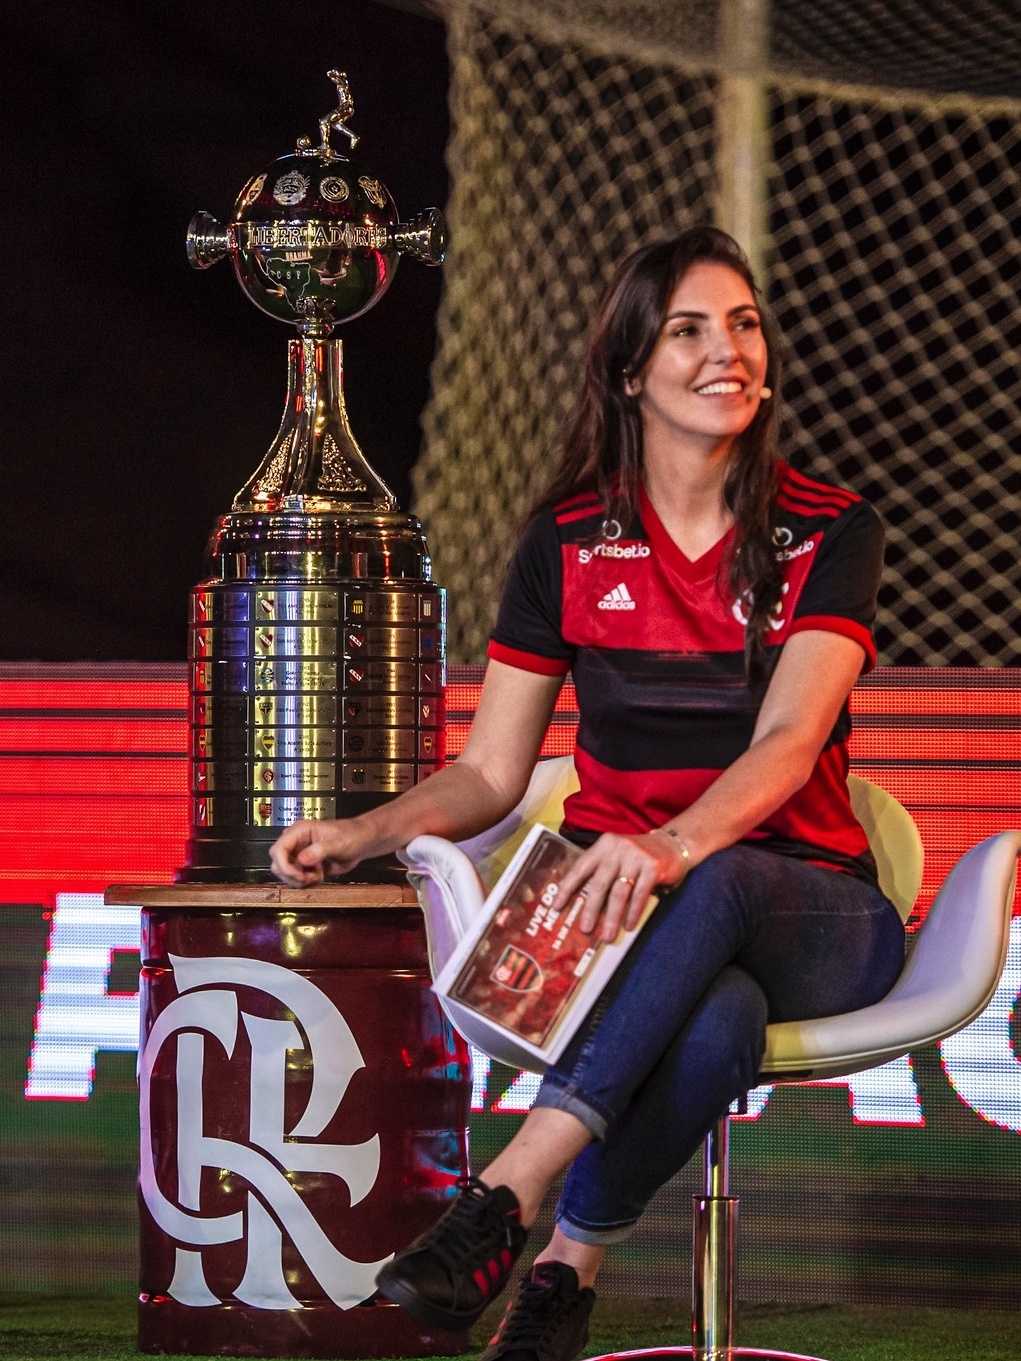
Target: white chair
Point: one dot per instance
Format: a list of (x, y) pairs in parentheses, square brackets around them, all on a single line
[(950, 974)]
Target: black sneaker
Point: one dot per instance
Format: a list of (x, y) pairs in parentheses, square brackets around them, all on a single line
[(548, 1321), (448, 1276)]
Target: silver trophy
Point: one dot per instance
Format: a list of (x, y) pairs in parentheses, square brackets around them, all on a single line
[(317, 642)]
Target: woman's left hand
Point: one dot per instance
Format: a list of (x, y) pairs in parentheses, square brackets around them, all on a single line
[(617, 874)]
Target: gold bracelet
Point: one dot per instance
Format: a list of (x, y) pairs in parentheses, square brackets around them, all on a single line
[(669, 831)]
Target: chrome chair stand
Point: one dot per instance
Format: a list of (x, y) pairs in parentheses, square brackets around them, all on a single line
[(713, 1267)]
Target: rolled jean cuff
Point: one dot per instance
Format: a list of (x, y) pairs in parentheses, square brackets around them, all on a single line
[(554, 1096), (593, 1235)]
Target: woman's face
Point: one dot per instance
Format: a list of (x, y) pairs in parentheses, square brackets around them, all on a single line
[(704, 378)]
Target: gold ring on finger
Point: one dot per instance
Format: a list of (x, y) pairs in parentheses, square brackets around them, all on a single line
[(625, 880)]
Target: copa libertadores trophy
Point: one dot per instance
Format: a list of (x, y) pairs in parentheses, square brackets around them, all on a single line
[(316, 644)]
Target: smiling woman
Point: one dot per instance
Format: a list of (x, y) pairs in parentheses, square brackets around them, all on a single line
[(714, 609)]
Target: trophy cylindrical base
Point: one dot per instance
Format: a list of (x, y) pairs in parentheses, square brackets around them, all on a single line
[(233, 858), (240, 854), (316, 696)]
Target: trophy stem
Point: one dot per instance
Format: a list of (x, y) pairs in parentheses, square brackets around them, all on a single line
[(314, 463)]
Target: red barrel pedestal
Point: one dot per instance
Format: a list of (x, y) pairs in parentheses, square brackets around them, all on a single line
[(303, 1109)]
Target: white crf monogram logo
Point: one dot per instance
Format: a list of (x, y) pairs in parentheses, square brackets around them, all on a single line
[(742, 609), (208, 1006)]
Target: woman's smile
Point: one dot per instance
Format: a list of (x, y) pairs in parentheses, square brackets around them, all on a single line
[(722, 388)]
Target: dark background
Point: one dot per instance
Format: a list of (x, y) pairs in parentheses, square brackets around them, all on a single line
[(138, 394)]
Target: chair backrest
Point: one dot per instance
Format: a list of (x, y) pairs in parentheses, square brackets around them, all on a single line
[(543, 802), (894, 841)]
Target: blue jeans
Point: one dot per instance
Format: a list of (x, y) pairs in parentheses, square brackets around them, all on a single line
[(750, 937)]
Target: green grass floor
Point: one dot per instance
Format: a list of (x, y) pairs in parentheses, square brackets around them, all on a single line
[(33, 1327)]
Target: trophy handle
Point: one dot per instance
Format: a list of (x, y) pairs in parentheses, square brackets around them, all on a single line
[(207, 242), (424, 237)]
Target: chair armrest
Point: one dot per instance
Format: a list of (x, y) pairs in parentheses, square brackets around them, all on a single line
[(948, 979), (451, 895), (449, 890), (543, 801)]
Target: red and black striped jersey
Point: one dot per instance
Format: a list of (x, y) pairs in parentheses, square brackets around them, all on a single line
[(655, 644)]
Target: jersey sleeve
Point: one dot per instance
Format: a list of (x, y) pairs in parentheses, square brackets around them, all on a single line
[(528, 632), (840, 593)]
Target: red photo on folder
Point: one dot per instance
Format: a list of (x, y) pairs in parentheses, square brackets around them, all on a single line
[(528, 967)]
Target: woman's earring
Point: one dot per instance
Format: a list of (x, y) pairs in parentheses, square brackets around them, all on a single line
[(765, 393)]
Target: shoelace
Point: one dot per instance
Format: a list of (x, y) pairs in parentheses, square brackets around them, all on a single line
[(534, 1316), (468, 1226)]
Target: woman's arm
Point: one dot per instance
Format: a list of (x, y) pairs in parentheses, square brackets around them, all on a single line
[(813, 678), (481, 787)]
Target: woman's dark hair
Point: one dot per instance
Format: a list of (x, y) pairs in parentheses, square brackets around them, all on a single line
[(603, 448)]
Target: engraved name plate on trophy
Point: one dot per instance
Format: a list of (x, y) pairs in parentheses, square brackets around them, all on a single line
[(316, 643)]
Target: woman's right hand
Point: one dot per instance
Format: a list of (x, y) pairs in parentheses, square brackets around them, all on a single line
[(307, 851)]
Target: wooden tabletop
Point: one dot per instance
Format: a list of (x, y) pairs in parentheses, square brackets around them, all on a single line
[(240, 896)]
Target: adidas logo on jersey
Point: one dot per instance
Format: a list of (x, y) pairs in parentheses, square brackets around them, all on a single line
[(617, 599)]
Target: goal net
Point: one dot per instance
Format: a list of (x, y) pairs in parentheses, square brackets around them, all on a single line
[(891, 256)]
